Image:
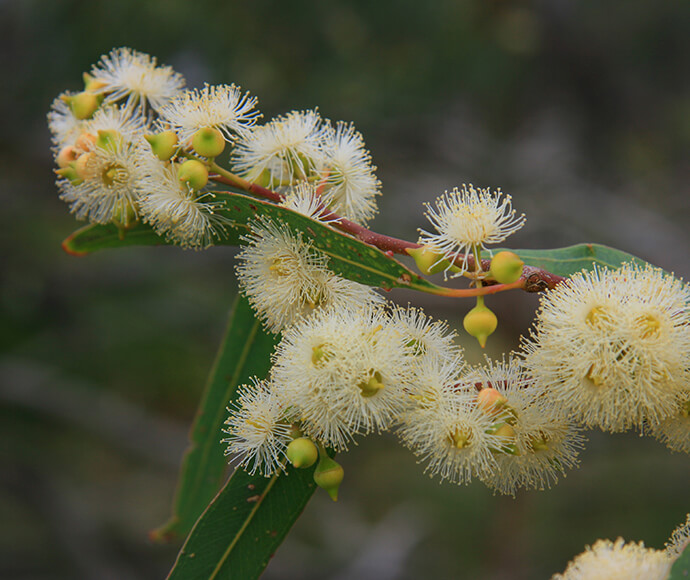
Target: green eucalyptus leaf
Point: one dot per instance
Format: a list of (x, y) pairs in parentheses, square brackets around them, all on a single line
[(348, 256), (571, 259), (244, 352), (100, 237), (681, 567), (241, 529)]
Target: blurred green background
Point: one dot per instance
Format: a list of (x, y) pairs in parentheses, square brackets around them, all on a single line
[(580, 110)]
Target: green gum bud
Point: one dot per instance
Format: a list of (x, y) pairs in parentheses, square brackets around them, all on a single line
[(428, 261), (480, 322), (506, 267), (208, 142), (83, 105), (163, 144), (502, 429), (108, 139), (193, 173), (302, 452), (92, 84), (70, 174), (329, 475), (80, 165)]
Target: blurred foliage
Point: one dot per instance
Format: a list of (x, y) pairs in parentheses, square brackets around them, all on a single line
[(443, 92)]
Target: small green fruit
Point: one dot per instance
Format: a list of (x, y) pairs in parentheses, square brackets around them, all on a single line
[(208, 142), (83, 105), (193, 173), (506, 267), (108, 139), (480, 322), (302, 452), (329, 475), (163, 144)]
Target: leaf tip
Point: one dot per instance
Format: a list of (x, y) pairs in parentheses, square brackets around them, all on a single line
[(69, 248)]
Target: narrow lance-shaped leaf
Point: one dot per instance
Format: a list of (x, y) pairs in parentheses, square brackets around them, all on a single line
[(100, 237), (348, 256), (244, 525), (245, 351)]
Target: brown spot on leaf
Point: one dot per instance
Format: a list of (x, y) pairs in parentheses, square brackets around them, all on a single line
[(254, 498)]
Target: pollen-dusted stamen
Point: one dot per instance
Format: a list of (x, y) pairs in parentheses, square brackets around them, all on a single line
[(284, 151), (650, 326), (340, 382), (258, 430), (598, 317), (127, 74), (321, 354)]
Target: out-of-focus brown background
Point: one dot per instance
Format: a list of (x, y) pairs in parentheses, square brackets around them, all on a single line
[(580, 110)]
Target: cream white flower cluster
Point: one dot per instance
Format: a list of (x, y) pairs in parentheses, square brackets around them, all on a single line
[(135, 145), (303, 147), (348, 371), (607, 560), (613, 350), (610, 349)]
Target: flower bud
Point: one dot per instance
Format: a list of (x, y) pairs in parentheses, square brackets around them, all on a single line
[(85, 142), (491, 401), (70, 174), (502, 430), (329, 475), (66, 156), (302, 452), (480, 322), (163, 144), (506, 267), (428, 261), (81, 165), (92, 84), (83, 105), (107, 139), (208, 142), (193, 173)]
